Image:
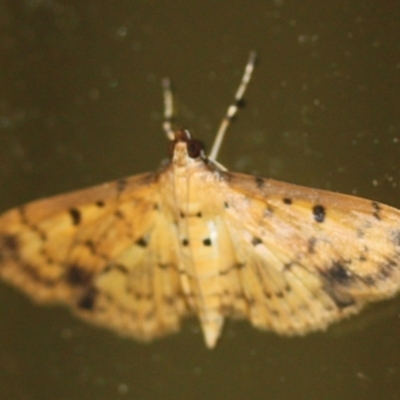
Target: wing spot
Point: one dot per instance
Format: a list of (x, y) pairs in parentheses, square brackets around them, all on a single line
[(78, 276), (259, 182), (10, 242), (87, 301), (268, 211), (377, 210), (199, 214), (369, 280), (363, 258), (142, 242), (319, 213), (207, 242), (75, 216), (100, 203), (90, 245), (185, 242), (268, 295), (255, 241), (338, 273), (287, 201), (226, 205)]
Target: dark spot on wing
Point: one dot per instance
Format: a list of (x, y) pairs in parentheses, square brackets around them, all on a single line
[(288, 265), (142, 242), (226, 205), (267, 294), (10, 243), (184, 215), (287, 200), (319, 213), (75, 216), (377, 210), (78, 276), (369, 280), (185, 242), (90, 245), (386, 269), (255, 241), (338, 273), (362, 258), (259, 182), (336, 279), (156, 206), (87, 301), (268, 211), (207, 242), (100, 203)]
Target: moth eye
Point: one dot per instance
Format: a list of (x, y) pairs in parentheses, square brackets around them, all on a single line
[(194, 148)]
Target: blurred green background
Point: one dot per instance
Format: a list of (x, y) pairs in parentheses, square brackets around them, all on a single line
[(81, 103)]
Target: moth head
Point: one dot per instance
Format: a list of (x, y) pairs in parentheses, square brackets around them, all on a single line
[(184, 150)]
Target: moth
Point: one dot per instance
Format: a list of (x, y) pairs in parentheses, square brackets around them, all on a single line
[(139, 254)]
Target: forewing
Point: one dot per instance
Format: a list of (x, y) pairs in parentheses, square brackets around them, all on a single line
[(308, 257), (107, 251)]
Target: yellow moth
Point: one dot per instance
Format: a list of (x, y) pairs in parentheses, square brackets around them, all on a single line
[(139, 254)]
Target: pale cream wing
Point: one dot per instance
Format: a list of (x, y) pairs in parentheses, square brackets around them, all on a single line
[(306, 257), (107, 251)]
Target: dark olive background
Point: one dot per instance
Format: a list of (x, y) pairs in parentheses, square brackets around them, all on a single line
[(80, 103)]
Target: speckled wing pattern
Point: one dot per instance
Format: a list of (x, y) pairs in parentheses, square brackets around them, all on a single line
[(91, 250), (139, 254), (308, 257)]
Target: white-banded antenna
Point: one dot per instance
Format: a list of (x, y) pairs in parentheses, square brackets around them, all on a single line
[(234, 107), (168, 108)]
